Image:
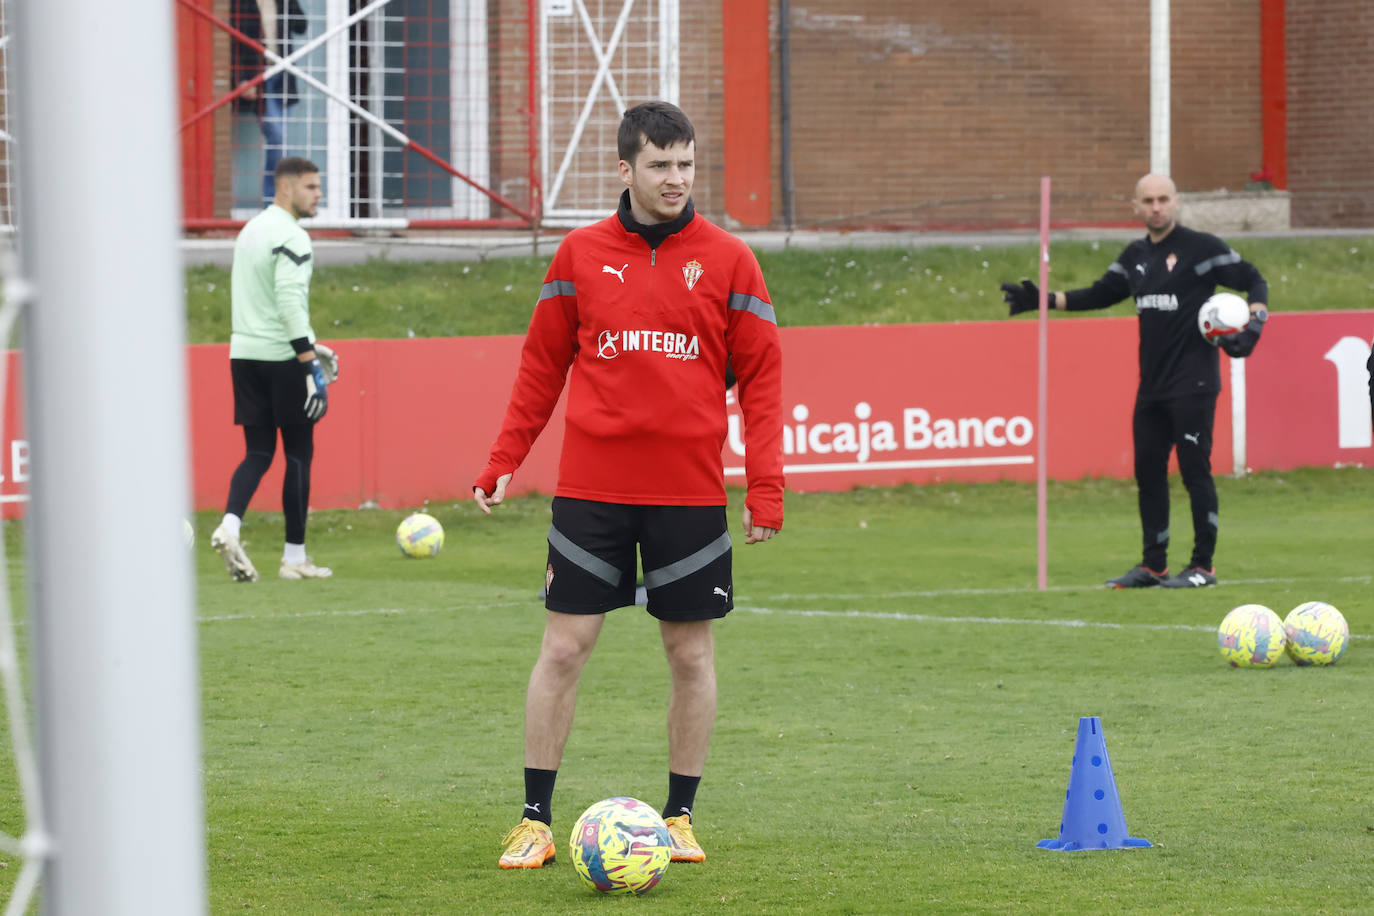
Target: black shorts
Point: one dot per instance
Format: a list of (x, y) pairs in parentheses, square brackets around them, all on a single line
[(685, 551), (268, 393)]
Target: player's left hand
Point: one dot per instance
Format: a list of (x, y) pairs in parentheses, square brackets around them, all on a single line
[(753, 534), (1242, 343)]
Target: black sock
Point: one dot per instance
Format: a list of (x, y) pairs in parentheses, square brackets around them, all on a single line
[(539, 795), (682, 794)]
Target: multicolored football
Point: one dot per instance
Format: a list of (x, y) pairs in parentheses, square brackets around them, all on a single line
[(420, 535), (1251, 636), (620, 846), (1317, 634)]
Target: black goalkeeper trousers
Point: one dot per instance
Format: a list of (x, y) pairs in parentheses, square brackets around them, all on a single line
[(298, 443), (1184, 425)]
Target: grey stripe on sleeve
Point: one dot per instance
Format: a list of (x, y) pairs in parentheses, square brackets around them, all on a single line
[(1116, 268), (299, 260), (1220, 260), (741, 302), (665, 575), (557, 288), (583, 559)]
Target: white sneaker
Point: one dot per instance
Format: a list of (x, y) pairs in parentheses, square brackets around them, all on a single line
[(231, 552), (306, 570)]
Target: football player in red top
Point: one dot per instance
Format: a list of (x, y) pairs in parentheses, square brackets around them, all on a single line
[(647, 310)]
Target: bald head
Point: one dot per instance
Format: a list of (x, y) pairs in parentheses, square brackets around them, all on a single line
[(1156, 204), (1154, 184)]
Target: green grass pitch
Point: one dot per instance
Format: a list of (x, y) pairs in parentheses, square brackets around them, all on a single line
[(898, 703), (898, 706)]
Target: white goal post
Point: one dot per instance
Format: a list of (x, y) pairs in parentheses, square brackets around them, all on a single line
[(111, 605)]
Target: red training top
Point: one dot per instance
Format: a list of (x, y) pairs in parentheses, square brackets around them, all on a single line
[(647, 333)]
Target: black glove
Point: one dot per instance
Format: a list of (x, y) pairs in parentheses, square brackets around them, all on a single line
[(1242, 343), (1022, 298), (316, 390)]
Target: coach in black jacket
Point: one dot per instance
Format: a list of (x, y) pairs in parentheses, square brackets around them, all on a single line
[(1170, 273)]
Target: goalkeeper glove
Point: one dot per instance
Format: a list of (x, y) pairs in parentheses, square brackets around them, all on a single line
[(316, 390), (1242, 343), (329, 361), (1022, 298)]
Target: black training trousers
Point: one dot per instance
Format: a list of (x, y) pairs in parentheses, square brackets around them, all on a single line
[(298, 442), (1159, 427)]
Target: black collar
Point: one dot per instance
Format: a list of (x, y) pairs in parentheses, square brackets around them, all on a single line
[(655, 233)]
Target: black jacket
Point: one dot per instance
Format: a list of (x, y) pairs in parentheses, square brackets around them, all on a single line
[(1170, 281), (245, 62)]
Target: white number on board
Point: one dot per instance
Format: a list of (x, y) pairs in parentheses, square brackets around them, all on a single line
[(1352, 391)]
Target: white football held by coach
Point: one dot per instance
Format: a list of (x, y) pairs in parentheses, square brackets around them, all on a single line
[(1223, 314)]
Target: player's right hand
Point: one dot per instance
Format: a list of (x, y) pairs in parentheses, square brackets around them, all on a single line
[(497, 497), (316, 390), (1024, 297)]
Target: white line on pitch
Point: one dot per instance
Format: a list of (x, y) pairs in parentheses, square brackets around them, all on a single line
[(1028, 621), (817, 612), (1030, 590), (360, 612)]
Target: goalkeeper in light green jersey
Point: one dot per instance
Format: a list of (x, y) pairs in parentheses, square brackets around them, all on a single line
[(281, 375)]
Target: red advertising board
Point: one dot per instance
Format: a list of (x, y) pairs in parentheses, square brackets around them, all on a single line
[(408, 421), (1307, 392), (412, 420), (14, 448), (924, 403)]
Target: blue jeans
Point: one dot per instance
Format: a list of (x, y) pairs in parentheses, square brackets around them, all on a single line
[(272, 122)]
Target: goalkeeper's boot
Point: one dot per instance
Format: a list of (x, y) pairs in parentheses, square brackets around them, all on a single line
[(685, 845), (528, 845), (306, 570), (1193, 577), (227, 545)]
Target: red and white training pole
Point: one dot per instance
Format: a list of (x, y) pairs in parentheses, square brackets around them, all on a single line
[(1043, 399)]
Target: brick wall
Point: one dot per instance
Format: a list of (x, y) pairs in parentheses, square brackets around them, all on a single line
[(224, 116), (508, 39), (1331, 111), (1215, 87), (948, 113), (702, 98), (945, 113)]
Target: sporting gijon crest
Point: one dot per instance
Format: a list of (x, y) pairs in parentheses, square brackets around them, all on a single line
[(691, 272)]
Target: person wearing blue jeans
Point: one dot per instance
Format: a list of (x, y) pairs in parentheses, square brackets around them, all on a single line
[(271, 23), (272, 123)]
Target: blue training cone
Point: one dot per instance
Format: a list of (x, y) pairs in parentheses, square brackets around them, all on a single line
[(1092, 809)]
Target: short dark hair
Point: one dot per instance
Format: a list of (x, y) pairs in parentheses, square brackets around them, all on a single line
[(657, 122), (291, 166)]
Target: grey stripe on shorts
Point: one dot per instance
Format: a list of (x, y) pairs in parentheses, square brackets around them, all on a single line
[(666, 575), (582, 558)]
